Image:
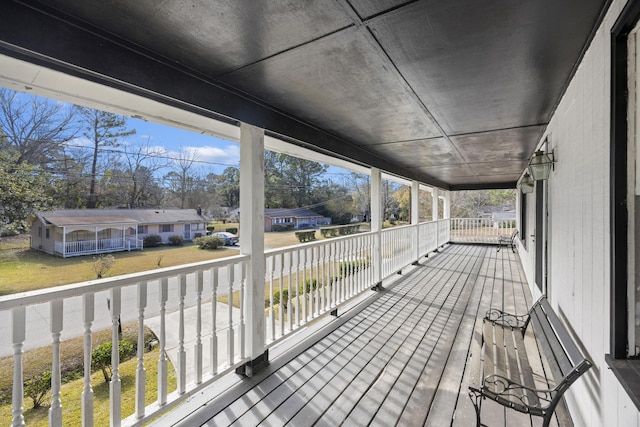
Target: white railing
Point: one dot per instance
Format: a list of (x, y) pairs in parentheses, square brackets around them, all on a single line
[(398, 248), (306, 281), (480, 230), (188, 306), (86, 247), (162, 299)]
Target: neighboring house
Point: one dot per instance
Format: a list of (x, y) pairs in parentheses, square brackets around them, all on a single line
[(73, 232), (298, 217), (504, 219)]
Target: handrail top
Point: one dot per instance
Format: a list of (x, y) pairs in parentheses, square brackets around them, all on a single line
[(76, 289)]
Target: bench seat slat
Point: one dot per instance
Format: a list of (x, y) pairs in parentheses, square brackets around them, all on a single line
[(524, 373), (571, 348), (561, 365)]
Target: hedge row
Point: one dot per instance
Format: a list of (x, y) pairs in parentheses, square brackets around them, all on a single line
[(339, 230)]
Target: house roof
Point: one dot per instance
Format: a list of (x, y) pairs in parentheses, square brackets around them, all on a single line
[(295, 212), (70, 217)]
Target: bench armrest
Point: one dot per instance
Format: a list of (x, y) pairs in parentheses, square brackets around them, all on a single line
[(507, 319), (511, 393)]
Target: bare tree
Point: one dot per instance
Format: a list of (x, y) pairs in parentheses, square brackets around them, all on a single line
[(361, 185), (140, 165), (182, 178), (36, 128), (104, 130)]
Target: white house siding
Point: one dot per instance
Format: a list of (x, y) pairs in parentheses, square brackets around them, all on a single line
[(579, 249)]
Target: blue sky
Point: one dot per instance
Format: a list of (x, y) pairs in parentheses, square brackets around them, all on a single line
[(211, 152)]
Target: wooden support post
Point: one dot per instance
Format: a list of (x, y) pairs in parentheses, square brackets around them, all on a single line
[(435, 214), (376, 226), (415, 218), (252, 241)]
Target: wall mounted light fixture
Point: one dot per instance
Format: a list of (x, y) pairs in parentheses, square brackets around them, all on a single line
[(526, 184), (540, 165)]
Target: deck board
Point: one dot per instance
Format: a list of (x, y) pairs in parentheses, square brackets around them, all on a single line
[(403, 359)]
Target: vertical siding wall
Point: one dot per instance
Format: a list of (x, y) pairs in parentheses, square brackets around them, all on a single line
[(578, 229)]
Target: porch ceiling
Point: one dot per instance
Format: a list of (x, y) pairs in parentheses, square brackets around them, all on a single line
[(455, 94)]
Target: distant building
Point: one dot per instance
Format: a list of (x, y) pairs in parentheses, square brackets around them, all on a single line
[(73, 232), (297, 217)]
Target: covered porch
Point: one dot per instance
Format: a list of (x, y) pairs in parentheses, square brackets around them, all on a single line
[(98, 239), (400, 357)]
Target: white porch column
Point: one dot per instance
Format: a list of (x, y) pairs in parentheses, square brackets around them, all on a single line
[(415, 215), (376, 225), (434, 212), (252, 243), (435, 205), (447, 205), (64, 242)]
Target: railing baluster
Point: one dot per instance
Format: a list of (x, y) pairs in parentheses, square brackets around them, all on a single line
[(182, 354), (295, 288), (289, 295), (88, 314), (230, 342), (213, 342), (162, 360), (243, 282), (55, 411), (19, 320), (141, 374), (198, 345), (115, 385), (270, 265), (303, 284), (283, 300)]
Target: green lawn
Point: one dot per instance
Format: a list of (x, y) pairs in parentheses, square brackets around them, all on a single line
[(23, 269), (71, 395)]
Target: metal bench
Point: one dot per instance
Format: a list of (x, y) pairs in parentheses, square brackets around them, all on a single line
[(509, 242), (503, 372)]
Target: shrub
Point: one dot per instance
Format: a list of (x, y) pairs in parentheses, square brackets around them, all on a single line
[(209, 242), (210, 228), (281, 227), (232, 230), (346, 268), (102, 264), (101, 357), (176, 240), (306, 236), (37, 387), (329, 232), (152, 241), (285, 297), (309, 285)]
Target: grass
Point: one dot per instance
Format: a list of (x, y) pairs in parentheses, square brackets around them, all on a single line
[(22, 268), (71, 393), (38, 360)]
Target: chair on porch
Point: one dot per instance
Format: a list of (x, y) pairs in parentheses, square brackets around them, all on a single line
[(509, 242)]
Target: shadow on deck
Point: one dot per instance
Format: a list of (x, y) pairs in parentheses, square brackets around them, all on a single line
[(399, 360)]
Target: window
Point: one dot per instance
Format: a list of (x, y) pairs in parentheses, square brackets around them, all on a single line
[(166, 228), (142, 229), (46, 233)]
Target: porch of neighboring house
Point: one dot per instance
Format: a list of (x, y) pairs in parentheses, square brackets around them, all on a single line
[(99, 240), (398, 358)]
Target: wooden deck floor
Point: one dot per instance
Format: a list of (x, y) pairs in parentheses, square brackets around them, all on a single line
[(400, 360)]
